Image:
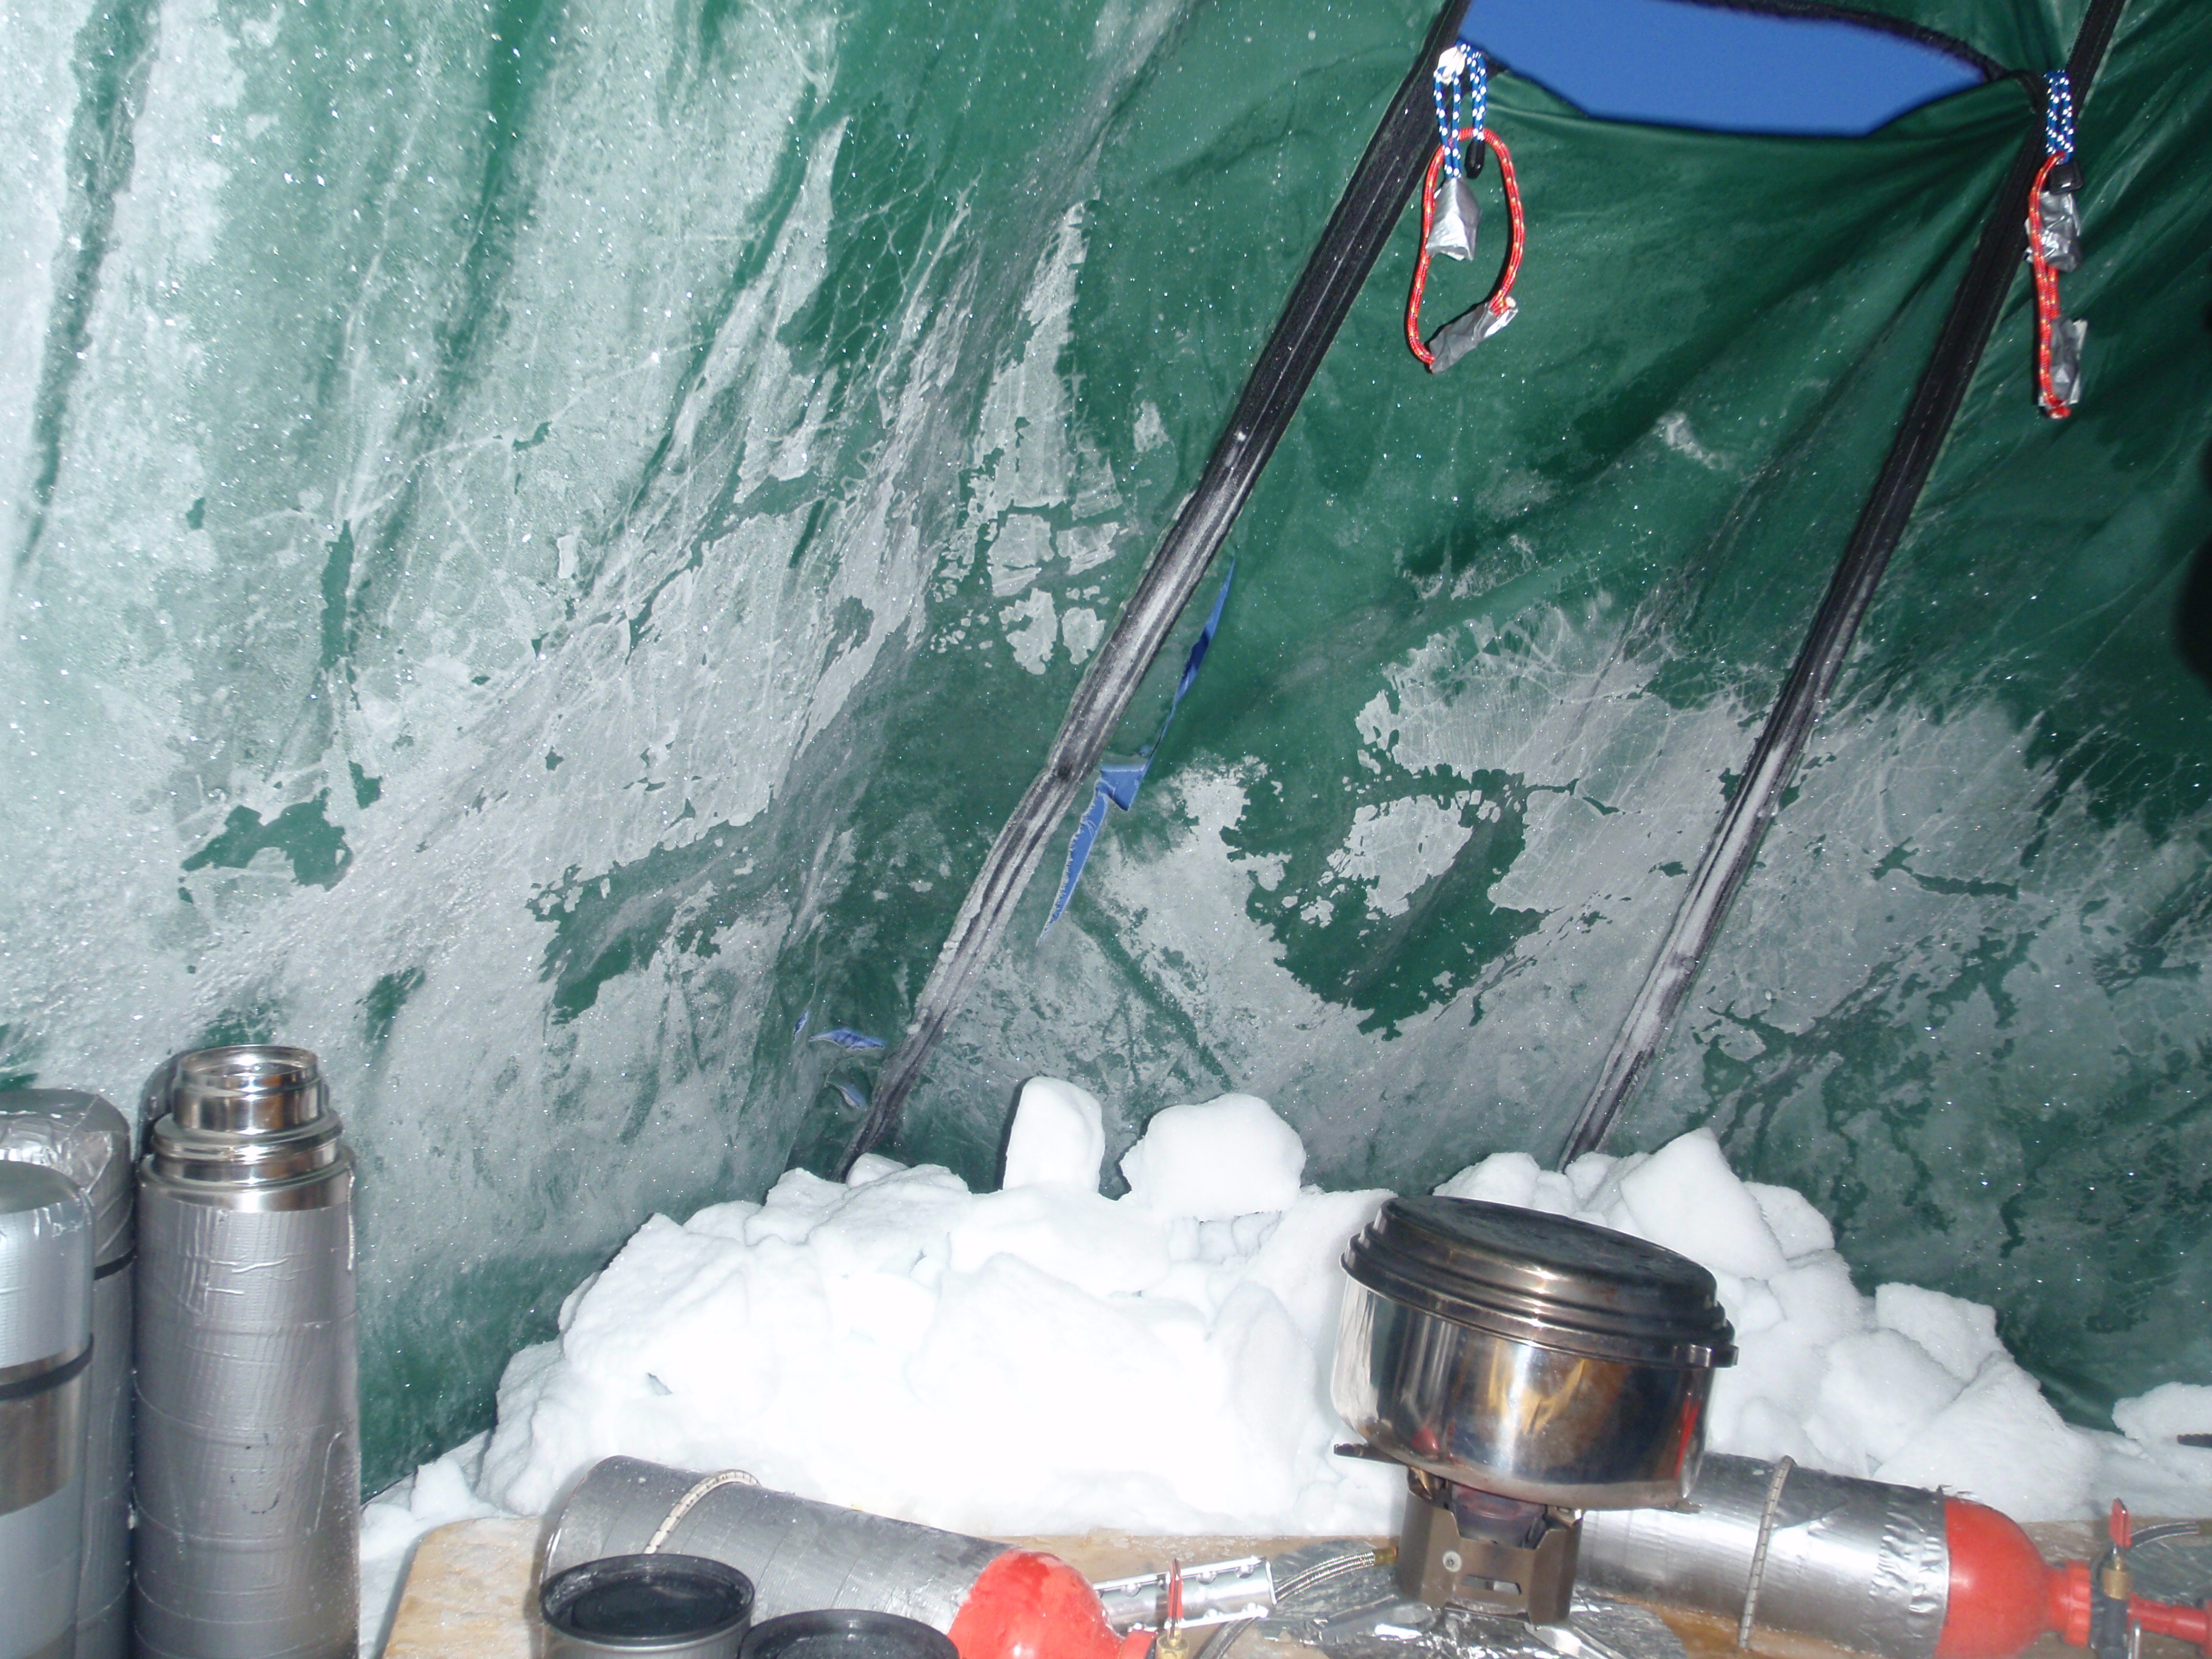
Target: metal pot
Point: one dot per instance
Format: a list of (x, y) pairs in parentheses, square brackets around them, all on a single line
[(848, 1634), (647, 1607), (1528, 1354)]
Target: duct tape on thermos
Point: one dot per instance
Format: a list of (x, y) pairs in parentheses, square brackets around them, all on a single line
[(81, 1136), (248, 1402), (45, 1358)]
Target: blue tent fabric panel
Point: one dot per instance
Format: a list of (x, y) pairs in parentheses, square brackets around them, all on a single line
[(1720, 69)]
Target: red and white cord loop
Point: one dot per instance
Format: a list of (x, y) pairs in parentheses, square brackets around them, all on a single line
[(1500, 301), (2059, 148)]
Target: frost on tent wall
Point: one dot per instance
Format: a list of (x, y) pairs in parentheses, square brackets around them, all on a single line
[(542, 585), (1454, 759), (459, 587)]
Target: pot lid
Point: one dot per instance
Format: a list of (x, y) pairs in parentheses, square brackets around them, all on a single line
[(1544, 1279)]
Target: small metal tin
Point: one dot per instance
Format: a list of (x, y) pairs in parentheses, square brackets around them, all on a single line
[(848, 1634), (1528, 1354), (667, 1607)]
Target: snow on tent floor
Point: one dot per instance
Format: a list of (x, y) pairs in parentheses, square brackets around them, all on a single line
[(1042, 1360)]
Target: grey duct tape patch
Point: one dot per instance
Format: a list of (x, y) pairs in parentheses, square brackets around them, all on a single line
[(1466, 331)]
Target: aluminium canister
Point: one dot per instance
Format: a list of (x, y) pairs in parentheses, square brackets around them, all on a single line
[(46, 1359), (1528, 1354), (81, 1136), (992, 1600), (248, 1397), (1862, 1564), (800, 1555)]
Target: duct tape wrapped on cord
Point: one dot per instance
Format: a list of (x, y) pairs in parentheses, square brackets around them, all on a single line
[(1449, 216)]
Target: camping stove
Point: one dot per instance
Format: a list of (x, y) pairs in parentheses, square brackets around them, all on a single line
[(1523, 1367)]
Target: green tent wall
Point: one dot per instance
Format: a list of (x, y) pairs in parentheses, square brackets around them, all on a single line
[(542, 542)]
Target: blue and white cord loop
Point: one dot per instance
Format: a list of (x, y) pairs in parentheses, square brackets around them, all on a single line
[(1462, 86), (2058, 115), (2054, 244)]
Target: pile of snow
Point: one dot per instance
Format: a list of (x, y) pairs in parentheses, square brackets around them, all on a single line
[(1908, 1385), (1042, 1360), (391, 1522), (1039, 1359)]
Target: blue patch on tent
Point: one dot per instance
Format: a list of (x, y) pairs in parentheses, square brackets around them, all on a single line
[(1119, 780), (1719, 68), (852, 1041)]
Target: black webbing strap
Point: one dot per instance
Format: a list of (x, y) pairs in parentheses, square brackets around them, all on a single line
[(1735, 844), (1365, 217)]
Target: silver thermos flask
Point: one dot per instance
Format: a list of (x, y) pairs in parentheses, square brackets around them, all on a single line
[(81, 1136), (249, 1408), (46, 1359)]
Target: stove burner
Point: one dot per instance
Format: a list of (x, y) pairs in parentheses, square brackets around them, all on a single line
[(1462, 1546)]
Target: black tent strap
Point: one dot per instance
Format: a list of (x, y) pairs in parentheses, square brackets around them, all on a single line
[(1735, 845), (1365, 217)]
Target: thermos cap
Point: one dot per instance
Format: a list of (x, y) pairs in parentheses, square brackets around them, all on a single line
[(252, 1116), (247, 1089), (46, 1270), (81, 1135)]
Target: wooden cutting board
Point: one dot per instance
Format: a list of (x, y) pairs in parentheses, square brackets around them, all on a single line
[(471, 1592)]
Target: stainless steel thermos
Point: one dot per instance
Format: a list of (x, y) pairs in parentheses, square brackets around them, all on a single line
[(81, 1136), (248, 1400), (46, 1354)]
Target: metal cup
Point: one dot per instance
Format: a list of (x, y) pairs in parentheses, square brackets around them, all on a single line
[(633, 1606)]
